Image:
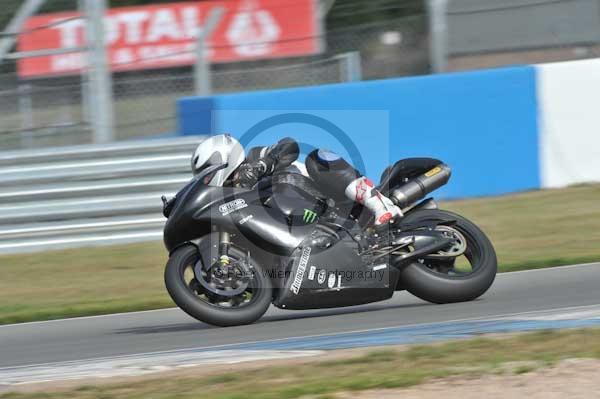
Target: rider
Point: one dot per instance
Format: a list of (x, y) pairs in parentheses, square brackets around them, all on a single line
[(333, 175)]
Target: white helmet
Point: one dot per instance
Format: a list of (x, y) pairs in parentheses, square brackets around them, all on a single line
[(218, 150)]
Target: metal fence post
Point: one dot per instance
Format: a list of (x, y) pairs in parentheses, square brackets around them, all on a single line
[(438, 33), (351, 68), (26, 113), (86, 95), (26, 10), (100, 78), (202, 79)]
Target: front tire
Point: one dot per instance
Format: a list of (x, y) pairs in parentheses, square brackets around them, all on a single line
[(425, 281), (190, 302)]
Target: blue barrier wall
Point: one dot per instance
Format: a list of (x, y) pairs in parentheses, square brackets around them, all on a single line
[(483, 124)]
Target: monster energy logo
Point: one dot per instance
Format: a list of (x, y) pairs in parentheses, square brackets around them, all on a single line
[(309, 216)]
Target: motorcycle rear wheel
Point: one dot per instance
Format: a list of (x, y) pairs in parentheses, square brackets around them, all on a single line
[(189, 295), (438, 281)]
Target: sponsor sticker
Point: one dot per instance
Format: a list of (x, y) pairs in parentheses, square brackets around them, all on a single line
[(309, 216), (311, 273), (244, 220), (331, 280), (433, 171), (232, 206), (379, 267), (321, 277), (295, 288)]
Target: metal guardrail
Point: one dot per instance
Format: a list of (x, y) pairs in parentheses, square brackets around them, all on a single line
[(89, 195)]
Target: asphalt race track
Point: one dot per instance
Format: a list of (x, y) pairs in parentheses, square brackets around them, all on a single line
[(574, 289)]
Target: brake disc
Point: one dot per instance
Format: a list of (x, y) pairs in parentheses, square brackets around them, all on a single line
[(228, 281), (457, 248)]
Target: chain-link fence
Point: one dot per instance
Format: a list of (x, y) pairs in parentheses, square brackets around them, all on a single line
[(40, 113), (146, 104), (378, 39), (54, 111)]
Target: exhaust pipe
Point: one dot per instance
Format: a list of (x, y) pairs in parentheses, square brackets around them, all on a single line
[(417, 188)]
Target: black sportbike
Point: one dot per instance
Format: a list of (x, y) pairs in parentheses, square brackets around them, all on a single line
[(234, 251)]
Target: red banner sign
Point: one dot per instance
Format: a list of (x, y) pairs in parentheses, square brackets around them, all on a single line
[(164, 35)]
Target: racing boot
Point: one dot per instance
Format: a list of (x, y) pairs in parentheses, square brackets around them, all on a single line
[(363, 191)]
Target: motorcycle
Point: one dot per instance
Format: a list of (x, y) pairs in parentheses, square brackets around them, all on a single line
[(235, 251)]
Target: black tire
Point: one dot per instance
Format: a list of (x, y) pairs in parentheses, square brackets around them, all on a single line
[(194, 306), (432, 286)]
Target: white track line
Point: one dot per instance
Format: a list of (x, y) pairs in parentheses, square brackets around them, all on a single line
[(138, 365), (500, 275), (552, 268), (206, 348)]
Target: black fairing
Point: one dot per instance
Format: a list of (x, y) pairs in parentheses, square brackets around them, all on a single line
[(292, 194), (270, 219), (327, 271)]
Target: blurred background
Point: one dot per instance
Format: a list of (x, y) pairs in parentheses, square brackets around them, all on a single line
[(46, 86), (102, 102)]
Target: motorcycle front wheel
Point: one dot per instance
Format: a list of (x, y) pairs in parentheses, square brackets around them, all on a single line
[(222, 307), (446, 280)]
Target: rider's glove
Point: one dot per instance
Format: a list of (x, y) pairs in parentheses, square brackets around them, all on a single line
[(250, 173)]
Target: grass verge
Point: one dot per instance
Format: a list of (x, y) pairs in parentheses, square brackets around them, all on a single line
[(381, 369), (539, 228), (529, 230), (91, 281)]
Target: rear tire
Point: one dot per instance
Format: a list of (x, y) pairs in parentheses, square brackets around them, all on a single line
[(193, 305), (432, 286)]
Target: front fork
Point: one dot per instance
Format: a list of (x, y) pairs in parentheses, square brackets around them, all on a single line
[(225, 262), (224, 244)]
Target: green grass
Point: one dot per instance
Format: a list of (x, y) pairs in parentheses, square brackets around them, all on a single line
[(379, 369), (529, 230), (101, 280), (540, 228)]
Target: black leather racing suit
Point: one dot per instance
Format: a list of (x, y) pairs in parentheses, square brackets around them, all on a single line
[(329, 171)]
